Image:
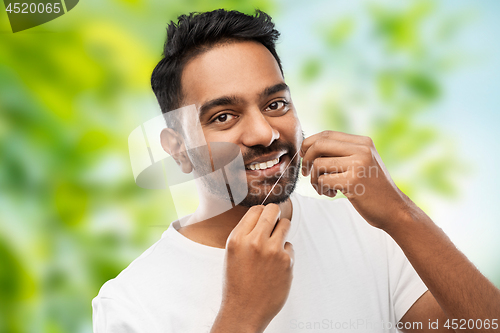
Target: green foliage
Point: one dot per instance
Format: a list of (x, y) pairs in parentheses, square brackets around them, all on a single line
[(381, 73), (311, 69), (339, 31), (400, 25)]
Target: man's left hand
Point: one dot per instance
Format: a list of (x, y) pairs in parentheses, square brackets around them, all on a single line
[(352, 165)]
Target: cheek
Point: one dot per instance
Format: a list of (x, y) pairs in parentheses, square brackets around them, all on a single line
[(221, 136), (290, 128)]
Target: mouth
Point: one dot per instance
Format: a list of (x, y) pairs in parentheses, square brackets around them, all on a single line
[(263, 165), (268, 163)]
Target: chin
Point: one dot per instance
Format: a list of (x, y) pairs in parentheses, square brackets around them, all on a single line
[(280, 194)]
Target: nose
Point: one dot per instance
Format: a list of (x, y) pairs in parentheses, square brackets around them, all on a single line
[(258, 131)]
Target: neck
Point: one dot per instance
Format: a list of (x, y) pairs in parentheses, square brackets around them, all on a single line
[(214, 231)]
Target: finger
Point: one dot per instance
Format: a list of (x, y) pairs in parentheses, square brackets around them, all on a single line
[(267, 221), (325, 165), (334, 182), (330, 193), (249, 220), (334, 135), (291, 253), (281, 230), (326, 148)]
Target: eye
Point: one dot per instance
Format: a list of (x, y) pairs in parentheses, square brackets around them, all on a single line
[(277, 105), (222, 118)]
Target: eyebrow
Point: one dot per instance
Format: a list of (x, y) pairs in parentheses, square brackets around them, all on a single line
[(274, 89), (221, 101), (232, 100)]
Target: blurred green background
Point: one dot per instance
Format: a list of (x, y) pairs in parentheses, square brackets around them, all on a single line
[(420, 77)]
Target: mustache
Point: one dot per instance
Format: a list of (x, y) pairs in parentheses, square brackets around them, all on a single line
[(276, 146)]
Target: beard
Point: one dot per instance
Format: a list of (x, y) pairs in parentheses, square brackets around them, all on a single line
[(279, 193), (283, 187), (232, 184)]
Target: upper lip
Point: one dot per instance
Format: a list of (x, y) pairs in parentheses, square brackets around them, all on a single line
[(265, 158)]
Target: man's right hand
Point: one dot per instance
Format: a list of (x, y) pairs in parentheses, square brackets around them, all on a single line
[(258, 271)]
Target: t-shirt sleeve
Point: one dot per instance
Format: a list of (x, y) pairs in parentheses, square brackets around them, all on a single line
[(111, 315), (405, 285)]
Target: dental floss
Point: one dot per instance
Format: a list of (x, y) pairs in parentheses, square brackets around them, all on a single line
[(272, 188)]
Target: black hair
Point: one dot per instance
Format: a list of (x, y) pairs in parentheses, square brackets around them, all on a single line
[(199, 32)]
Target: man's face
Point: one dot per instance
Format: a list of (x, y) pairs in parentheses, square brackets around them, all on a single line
[(242, 98)]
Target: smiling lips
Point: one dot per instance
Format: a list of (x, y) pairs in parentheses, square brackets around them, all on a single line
[(263, 165)]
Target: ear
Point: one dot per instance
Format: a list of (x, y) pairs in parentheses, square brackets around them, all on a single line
[(173, 143)]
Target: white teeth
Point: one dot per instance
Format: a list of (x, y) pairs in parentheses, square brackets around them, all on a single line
[(263, 165)]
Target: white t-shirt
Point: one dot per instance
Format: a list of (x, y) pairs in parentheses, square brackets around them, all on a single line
[(348, 276)]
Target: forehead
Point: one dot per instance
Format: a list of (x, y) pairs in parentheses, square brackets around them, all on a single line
[(242, 69)]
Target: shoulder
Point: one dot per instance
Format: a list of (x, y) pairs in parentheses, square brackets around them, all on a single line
[(120, 303), (139, 271)]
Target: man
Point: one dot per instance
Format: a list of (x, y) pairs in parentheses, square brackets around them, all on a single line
[(236, 271)]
